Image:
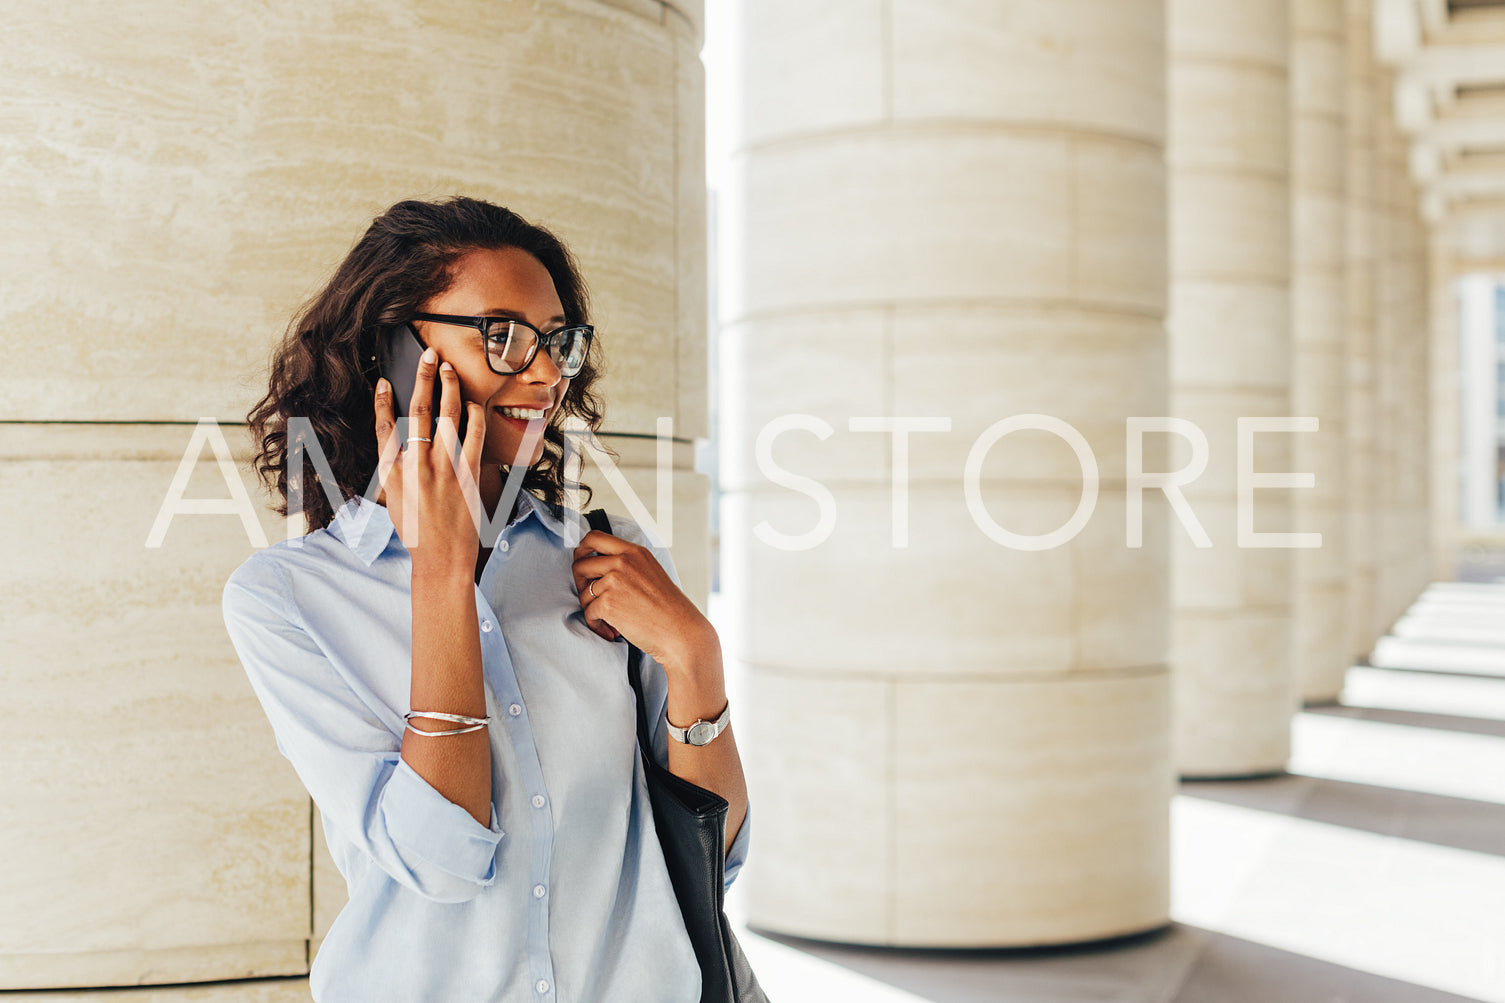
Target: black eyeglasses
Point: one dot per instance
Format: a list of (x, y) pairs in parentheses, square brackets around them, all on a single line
[(511, 344)]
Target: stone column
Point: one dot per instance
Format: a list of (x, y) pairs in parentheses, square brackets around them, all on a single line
[(178, 178), (1406, 370), (952, 211), (1412, 560), (1418, 393), (1444, 405), (1362, 287), (1231, 357), (1319, 194), (1391, 336)]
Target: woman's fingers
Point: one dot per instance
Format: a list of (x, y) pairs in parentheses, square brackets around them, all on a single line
[(438, 516), (590, 582), (591, 606), (389, 447), (475, 436), (385, 422), (447, 427), (421, 421), (588, 569)]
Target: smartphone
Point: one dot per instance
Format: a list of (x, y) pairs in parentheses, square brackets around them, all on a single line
[(398, 352)]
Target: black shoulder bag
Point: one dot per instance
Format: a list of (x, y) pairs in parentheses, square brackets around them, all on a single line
[(691, 824)]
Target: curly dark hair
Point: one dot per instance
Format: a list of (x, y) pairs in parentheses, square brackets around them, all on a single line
[(323, 370)]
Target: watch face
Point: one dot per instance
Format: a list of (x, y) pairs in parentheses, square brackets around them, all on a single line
[(701, 732)]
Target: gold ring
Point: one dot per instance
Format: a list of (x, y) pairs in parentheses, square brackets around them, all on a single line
[(591, 586)]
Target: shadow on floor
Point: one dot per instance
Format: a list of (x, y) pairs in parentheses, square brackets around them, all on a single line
[(1492, 727), (1429, 818), (1177, 964)]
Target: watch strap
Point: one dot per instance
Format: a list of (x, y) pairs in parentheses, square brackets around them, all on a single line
[(716, 727)]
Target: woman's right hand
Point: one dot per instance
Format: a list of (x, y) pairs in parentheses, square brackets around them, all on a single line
[(434, 504)]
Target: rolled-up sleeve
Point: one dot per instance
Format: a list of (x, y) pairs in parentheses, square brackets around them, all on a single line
[(737, 855), (346, 757)]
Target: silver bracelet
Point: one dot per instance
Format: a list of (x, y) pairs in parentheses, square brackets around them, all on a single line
[(476, 723), (452, 731), (457, 718)]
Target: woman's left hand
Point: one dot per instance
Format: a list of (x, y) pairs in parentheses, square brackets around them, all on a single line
[(634, 597)]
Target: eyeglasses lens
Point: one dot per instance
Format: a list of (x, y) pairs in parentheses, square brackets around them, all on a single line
[(568, 351), (510, 346)]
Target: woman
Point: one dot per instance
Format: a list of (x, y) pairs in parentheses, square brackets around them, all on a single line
[(503, 849)]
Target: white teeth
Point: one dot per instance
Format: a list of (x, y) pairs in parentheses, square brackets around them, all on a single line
[(521, 412)]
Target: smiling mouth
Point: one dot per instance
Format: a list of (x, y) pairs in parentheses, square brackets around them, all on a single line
[(522, 422)]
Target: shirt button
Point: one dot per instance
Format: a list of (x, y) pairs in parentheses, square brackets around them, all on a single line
[(539, 801), (539, 891), (515, 709), (542, 986), (502, 546), (485, 626)]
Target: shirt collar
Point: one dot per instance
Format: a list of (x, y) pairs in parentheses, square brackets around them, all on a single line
[(366, 527), (547, 514)]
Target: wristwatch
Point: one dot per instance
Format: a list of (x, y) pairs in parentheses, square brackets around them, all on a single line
[(701, 732)]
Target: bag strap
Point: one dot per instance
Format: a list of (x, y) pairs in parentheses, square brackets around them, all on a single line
[(599, 520)]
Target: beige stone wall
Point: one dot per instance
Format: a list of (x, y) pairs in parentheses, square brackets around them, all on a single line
[(950, 210), (1231, 356), (177, 180), (1319, 274), (153, 831)]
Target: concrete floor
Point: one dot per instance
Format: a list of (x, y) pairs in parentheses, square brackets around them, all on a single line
[(1373, 871)]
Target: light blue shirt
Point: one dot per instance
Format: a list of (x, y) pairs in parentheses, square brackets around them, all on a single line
[(564, 897)]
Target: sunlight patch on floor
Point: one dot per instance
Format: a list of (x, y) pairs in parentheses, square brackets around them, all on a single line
[(1426, 914), (1425, 693), (1402, 757)]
